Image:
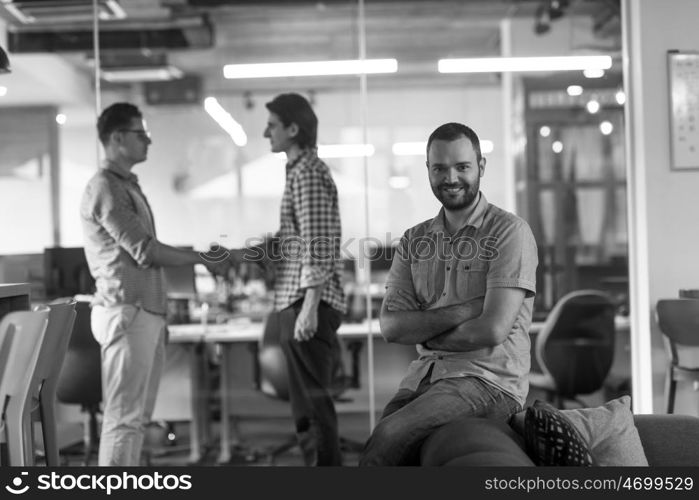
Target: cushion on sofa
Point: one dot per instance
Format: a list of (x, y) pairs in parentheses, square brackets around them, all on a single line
[(610, 433), (471, 441), (551, 439)]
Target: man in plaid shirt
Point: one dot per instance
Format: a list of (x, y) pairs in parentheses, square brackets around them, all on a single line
[(308, 296)]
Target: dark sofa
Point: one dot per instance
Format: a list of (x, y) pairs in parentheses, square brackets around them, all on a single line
[(668, 440)]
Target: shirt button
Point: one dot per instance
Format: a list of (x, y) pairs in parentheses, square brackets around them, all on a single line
[(444, 294), (448, 268), (467, 267)]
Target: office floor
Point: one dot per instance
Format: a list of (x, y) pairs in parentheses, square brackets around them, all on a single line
[(259, 436)]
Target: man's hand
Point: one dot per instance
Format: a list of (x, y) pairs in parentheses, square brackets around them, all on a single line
[(218, 268), (401, 301), (306, 324), (236, 257)]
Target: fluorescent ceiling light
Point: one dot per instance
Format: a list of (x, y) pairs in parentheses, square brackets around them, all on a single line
[(141, 74), (3, 91), (593, 73), (345, 150), (399, 181), (409, 148), (226, 121), (311, 68), (341, 151), (523, 64), (574, 90), (419, 148)]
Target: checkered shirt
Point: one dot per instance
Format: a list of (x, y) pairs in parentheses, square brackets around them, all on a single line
[(307, 246)]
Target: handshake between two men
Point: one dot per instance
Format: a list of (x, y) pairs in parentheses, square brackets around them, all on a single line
[(220, 261)]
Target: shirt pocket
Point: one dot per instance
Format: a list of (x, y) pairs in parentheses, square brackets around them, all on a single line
[(423, 281), (471, 279)]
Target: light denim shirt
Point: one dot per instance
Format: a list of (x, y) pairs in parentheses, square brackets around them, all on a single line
[(494, 249), (119, 237)]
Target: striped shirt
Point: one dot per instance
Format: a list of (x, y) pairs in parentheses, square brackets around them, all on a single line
[(119, 238), (307, 246)]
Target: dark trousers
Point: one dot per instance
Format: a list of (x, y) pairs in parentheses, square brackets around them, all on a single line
[(311, 365)]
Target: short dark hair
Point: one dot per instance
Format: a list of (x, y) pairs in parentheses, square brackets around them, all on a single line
[(115, 117), (294, 108), (451, 132)]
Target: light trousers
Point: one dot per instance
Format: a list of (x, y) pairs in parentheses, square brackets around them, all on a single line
[(133, 351)]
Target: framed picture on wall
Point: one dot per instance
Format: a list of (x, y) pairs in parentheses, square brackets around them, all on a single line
[(683, 88)]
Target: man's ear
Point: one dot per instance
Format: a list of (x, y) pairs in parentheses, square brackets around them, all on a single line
[(115, 138), (481, 166), (293, 129)]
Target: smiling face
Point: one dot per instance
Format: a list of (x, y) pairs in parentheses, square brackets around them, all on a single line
[(281, 138), (454, 172)]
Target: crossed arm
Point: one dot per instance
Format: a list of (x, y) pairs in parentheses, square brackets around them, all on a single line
[(459, 327)]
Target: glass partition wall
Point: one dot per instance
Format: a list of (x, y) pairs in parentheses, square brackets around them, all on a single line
[(210, 176)]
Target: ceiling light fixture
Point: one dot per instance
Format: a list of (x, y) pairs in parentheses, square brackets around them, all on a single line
[(226, 121), (593, 73), (3, 91), (606, 127), (346, 150), (399, 181), (620, 97), (311, 68), (409, 148), (592, 106), (141, 74), (523, 64), (574, 90)]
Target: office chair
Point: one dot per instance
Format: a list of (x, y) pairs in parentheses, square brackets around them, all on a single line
[(51, 355), (575, 347), (678, 320), (22, 335), (273, 382), (80, 378)]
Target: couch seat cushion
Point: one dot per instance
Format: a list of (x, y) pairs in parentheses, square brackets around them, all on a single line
[(471, 441)]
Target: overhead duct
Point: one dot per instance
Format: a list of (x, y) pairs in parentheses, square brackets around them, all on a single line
[(61, 11), (183, 33)]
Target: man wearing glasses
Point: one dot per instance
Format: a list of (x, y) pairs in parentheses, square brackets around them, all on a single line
[(126, 260)]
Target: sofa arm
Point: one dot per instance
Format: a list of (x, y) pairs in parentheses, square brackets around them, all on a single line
[(471, 441), (669, 440)]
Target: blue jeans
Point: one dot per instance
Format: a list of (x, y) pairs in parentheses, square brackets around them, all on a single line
[(412, 416)]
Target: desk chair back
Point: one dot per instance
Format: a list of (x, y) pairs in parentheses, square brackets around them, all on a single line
[(576, 344), (80, 378), (27, 330), (51, 355), (678, 320)]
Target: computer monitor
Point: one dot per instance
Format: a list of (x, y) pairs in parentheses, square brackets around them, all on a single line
[(66, 272)]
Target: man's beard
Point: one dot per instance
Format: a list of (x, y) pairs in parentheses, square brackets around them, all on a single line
[(467, 196)]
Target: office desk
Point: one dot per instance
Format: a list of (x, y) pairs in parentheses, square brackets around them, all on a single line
[(194, 337)]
